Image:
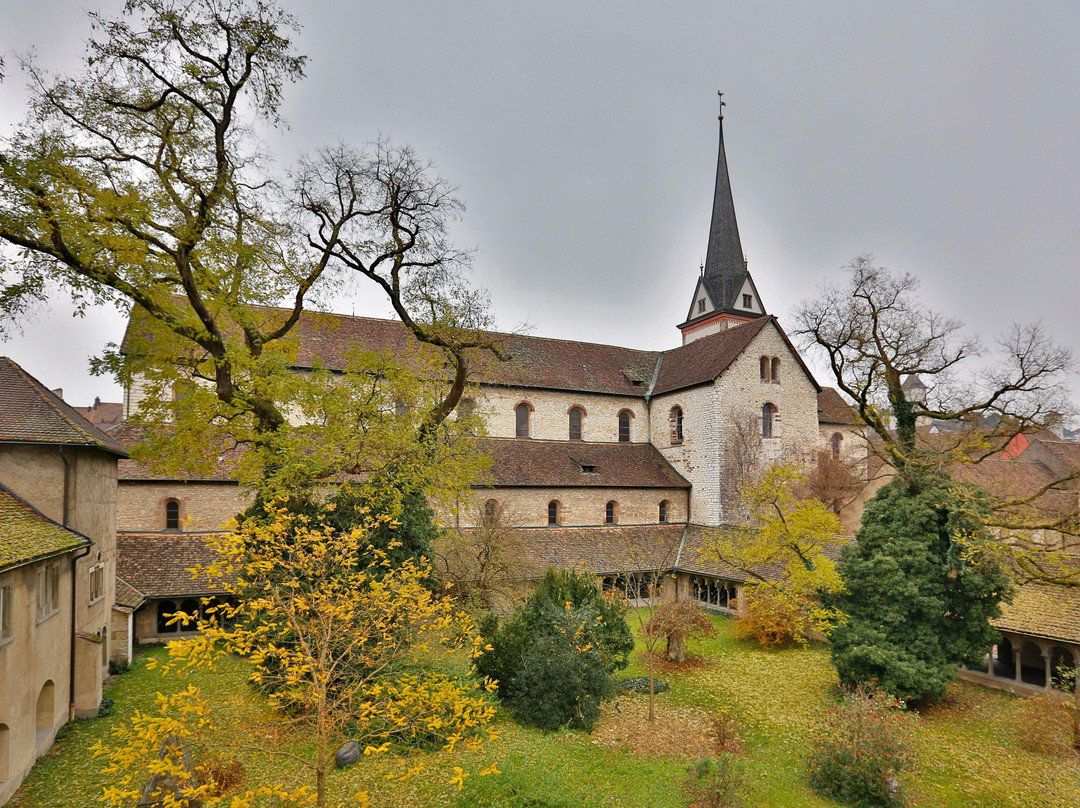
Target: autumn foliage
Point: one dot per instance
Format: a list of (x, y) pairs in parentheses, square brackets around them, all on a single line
[(341, 641)]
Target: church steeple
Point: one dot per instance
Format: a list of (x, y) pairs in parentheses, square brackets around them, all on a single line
[(725, 294)]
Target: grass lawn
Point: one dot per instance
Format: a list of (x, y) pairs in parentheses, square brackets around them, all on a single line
[(967, 748)]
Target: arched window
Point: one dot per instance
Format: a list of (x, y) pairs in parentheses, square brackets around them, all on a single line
[(675, 419), (775, 370), (663, 510), (491, 510), (521, 420), (768, 413), (191, 609), (172, 514), (764, 368), (624, 426), (835, 442), (610, 512), (576, 414), (165, 611), (553, 512)]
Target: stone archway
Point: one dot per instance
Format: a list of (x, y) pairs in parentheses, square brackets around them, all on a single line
[(1029, 656), (1062, 662)]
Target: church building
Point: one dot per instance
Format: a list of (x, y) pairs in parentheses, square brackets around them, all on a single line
[(604, 458)]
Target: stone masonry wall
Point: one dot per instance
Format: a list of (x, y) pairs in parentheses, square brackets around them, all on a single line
[(203, 505), (528, 507), (550, 418), (697, 457)]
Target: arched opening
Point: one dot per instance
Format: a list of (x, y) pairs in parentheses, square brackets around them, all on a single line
[(775, 374), (1063, 669), (624, 426), (611, 512), (491, 511), (521, 419), (1032, 664), (553, 512), (466, 410), (663, 515), (576, 415), (191, 609), (834, 444), (165, 610), (172, 514), (46, 706), (768, 416), (5, 752), (104, 645), (764, 362), (676, 420)]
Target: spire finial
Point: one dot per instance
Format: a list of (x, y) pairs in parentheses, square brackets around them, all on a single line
[(722, 105)]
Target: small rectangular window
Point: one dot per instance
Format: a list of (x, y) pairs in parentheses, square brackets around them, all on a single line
[(97, 582), (588, 469), (700, 306), (48, 590), (747, 301), (6, 594)]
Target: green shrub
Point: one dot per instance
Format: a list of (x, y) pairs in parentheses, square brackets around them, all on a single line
[(715, 782), (564, 643), (857, 753), (563, 675)]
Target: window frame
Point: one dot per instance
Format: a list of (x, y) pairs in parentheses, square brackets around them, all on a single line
[(662, 515), (47, 587), (748, 301), (675, 416), (554, 516), (96, 572), (611, 512), (576, 423), (769, 412), (764, 368), (774, 370), (523, 418), (7, 609), (625, 419), (172, 502)]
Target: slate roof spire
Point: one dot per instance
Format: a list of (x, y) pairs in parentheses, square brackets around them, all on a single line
[(725, 268)]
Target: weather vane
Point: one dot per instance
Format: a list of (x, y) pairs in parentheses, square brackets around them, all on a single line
[(722, 104)]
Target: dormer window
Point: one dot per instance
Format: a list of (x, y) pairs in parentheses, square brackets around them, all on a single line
[(747, 301), (588, 468)]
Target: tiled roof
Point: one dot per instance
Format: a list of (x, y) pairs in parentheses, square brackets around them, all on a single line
[(1067, 452), (159, 565), (27, 534), (524, 462), (31, 413), (328, 340), (1043, 610), (597, 549), (223, 469), (693, 559), (703, 360), (1015, 479), (625, 548), (127, 595), (833, 409), (103, 413)]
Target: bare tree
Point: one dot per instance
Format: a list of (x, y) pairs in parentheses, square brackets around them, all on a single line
[(484, 566), (874, 333), (142, 182)]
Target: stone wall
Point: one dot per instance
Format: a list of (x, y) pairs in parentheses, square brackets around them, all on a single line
[(528, 507), (550, 419), (204, 506)]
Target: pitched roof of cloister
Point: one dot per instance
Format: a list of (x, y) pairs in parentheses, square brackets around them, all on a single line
[(1049, 611), (26, 534), (159, 565)]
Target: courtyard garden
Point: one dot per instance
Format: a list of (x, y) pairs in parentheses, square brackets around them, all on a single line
[(760, 706)]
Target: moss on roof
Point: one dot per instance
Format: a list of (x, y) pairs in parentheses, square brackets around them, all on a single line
[(1045, 610), (27, 534)]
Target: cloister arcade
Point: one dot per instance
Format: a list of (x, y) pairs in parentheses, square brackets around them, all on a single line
[(1031, 662)]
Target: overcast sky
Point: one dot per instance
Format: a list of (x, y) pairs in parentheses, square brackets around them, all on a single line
[(942, 137)]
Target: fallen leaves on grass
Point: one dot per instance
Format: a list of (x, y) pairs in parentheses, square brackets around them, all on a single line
[(680, 731)]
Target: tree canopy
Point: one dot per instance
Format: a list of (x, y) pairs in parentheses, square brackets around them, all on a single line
[(142, 181)]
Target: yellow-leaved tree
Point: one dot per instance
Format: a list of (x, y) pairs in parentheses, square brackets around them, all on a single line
[(782, 549), (345, 645)]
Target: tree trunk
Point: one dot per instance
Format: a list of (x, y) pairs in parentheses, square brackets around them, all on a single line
[(676, 650)]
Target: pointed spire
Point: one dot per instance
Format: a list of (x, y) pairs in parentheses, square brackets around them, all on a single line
[(725, 268)]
